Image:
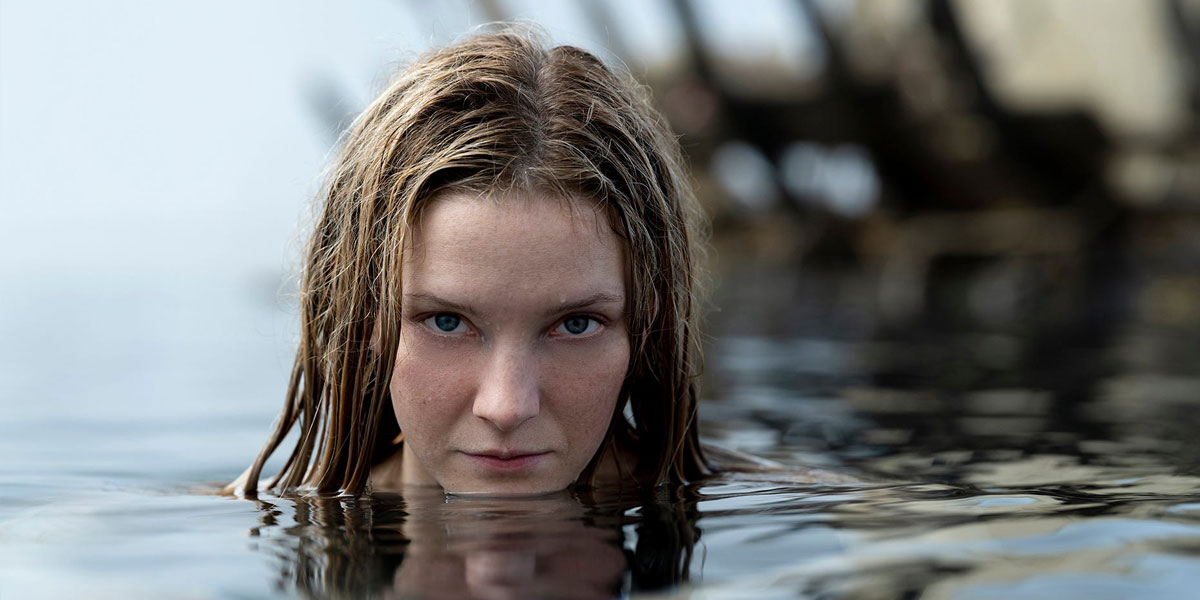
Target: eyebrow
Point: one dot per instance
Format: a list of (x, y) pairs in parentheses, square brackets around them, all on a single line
[(592, 300)]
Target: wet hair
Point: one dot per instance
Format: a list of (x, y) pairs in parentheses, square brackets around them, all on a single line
[(497, 113)]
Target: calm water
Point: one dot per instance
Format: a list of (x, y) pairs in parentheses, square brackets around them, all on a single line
[(1003, 463)]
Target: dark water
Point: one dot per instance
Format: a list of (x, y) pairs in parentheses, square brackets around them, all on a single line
[(1000, 461)]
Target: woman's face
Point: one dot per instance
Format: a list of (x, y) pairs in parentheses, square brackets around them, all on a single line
[(513, 345)]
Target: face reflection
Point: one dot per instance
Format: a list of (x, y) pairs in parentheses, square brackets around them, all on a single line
[(513, 345), (540, 548)]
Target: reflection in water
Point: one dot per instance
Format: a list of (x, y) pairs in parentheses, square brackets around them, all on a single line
[(952, 541), (427, 544), (763, 534)]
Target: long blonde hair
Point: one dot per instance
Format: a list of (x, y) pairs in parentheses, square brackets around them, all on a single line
[(495, 113)]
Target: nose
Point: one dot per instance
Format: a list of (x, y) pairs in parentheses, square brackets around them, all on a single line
[(508, 394)]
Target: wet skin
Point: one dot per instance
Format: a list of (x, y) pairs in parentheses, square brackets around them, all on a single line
[(513, 345)]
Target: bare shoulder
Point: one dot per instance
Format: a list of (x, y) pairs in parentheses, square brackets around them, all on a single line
[(740, 463)]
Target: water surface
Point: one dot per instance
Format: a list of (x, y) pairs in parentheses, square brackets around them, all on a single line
[(993, 465)]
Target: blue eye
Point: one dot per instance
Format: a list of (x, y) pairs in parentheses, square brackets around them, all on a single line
[(446, 323), (578, 326)]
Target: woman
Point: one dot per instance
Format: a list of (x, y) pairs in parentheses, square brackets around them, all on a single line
[(499, 294)]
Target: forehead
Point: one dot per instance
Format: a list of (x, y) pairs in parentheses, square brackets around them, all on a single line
[(519, 246)]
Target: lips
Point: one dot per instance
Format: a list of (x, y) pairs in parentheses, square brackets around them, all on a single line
[(503, 461)]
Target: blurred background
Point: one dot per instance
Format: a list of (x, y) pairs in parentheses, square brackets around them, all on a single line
[(937, 224)]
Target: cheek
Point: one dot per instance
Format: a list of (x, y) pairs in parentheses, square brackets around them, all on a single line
[(586, 383), (427, 387)]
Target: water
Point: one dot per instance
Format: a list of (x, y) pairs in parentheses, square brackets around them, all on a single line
[(992, 463), (143, 356)]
